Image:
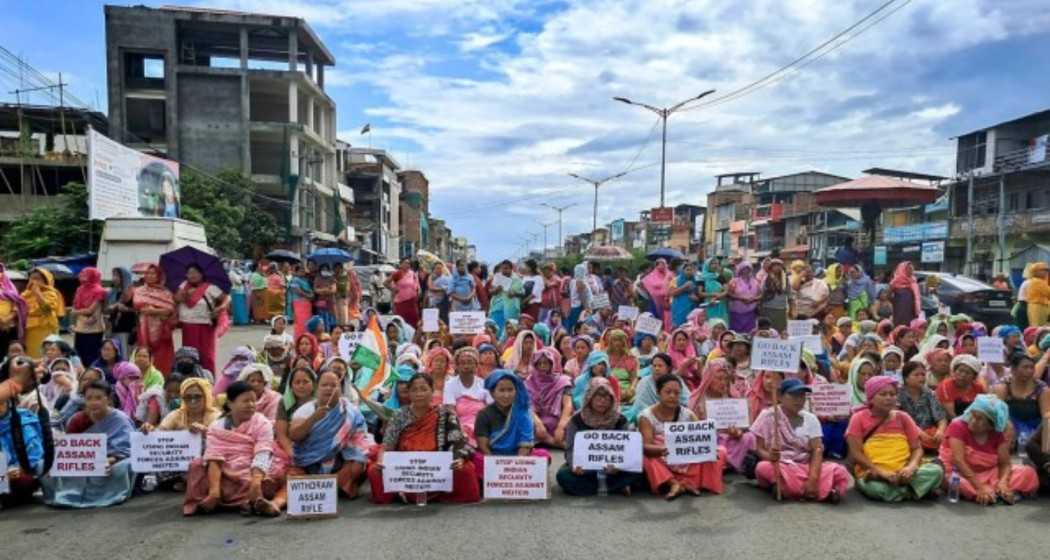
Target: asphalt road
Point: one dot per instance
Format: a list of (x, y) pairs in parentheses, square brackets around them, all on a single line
[(745, 522)]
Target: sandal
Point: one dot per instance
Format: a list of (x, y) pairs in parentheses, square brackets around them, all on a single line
[(265, 508)]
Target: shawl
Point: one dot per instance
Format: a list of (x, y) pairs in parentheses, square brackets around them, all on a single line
[(608, 420), (903, 280), (400, 374), (1037, 290), (793, 447), (242, 356), (52, 300), (118, 427), (439, 430), (275, 282), (127, 393), (658, 281), (862, 285), (744, 286), (645, 394), (990, 407), (9, 292), (678, 357), (757, 398), (795, 277), (516, 356), (152, 329), (90, 290), (698, 397), (833, 276), (518, 427), (545, 389), (342, 430), (583, 380), (543, 331), (857, 395), (315, 349), (236, 446), (179, 418), (152, 378)]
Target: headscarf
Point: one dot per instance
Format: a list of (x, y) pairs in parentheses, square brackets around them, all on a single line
[(543, 331), (1006, 331), (857, 394), (263, 369), (903, 280), (428, 359), (967, 360), (126, 282), (862, 285), (608, 420), (182, 413), (876, 384), (9, 292), (698, 398), (313, 322), (514, 360), (90, 290), (897, 334), (128, 394), (991, 408), (583, 379), (401, 374), (54, 297), (657, 281), (518, 426), (891, 349), (546, 389)]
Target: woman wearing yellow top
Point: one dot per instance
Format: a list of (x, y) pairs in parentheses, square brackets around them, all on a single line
[(1037, 291), (45, 308)]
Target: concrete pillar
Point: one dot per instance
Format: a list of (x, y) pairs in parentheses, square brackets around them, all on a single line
[(320, 76), (310, 113), (293, 102), (310, 65), (293, 51), (246, 134)]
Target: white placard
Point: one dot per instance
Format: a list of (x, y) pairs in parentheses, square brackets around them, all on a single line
[(802, 327), (990, 350), (127, 182), (600, 301), (348, 343), (812, 342), (5, 485), (466, 322), (728, 413), (830, 400), (312, 496), (502, 282), (417, 471), (164, 451), (430, 319), (691, 442), (593, 450), (627, 312), (649, 325), (516, 478), (773, 354), (79, 455)]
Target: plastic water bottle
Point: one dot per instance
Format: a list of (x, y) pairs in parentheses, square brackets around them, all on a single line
[(603, 484), (421, 499), (149, 483), (953, 487)]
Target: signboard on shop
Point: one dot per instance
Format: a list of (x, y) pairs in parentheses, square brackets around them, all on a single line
[(661, 215)]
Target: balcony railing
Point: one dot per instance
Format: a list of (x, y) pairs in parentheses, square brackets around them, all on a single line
[(1018, 160)]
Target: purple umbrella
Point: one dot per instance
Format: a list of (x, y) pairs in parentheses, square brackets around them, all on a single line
[(175, 263)]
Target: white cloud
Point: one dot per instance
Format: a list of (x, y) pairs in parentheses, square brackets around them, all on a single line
[(938, 113), (478, 41)]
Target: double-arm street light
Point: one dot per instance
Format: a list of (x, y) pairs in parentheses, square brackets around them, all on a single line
[(663, 114), (597, 183), (559, 210)]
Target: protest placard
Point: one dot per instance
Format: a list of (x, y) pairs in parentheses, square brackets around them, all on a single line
[(773, 354), (348, 343), (79, 455), (691, 442), (728, 413), (830, 400), (812, 342), (802, 327), (312, 496), (417, 471), (516, 478), (600, 301), (164, 451), (649, 325), (430, 319), (593, 450), (466, 322), (990, 350), (627, 312), (5, 485)]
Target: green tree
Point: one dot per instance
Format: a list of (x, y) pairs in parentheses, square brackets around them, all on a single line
[(60, 228)]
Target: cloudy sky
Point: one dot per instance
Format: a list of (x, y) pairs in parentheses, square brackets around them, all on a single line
[(496, 101)]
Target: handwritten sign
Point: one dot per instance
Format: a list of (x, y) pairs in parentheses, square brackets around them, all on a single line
[(600, 301), (593, 450), (990, 350), (830, 400), (5, 485), (803, 327), (812, 342), (627, 312), (430, 319), (773, 354), (417, 471), (348, 343), (312, 496), (691, 442), (164, 451), (649, 325), (516, 478), (79, 455), (728, 413), (466, 322)]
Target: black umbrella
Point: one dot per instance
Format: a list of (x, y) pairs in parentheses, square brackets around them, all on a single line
[(665, 253), (283, 255), (175, 263)]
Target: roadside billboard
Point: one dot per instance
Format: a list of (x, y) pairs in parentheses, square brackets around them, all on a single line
[(128, 183)]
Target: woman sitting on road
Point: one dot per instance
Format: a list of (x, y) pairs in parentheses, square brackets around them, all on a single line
[(715, 385), (505, 427), (916, 399), (960, 389), (885, 448), (260, 378), (1027, 398), (550, 393), (600, 411)]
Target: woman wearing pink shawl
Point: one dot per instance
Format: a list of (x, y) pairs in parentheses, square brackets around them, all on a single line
[(128, 387), (744, 292), (239, 469), (155, 305), (551, 396), (12, 313), (88, 327), (715, 385), (260, 378), (684, 359), (907, 303), (658, 285)]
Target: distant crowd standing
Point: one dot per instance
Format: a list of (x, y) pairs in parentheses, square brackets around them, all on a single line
[(561, 352)]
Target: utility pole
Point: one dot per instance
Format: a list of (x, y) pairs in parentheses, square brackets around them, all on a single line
[(1001, 223), (597, 183), (545, 226), (970, 232), (559, 210), (663, 113)]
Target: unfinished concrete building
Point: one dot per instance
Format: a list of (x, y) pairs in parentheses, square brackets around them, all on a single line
[(219, 90), (373, 176)]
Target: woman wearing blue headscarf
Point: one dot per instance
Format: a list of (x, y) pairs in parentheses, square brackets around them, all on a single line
[(597, 365), (683, 294), (505, 427), (712, 291)]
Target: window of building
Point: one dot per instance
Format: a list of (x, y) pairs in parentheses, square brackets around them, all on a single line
[(147, 120), (1013, 202), (143, 71), (971, 151)]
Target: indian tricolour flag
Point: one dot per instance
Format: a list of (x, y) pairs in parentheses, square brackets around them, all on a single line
[(371, 352)]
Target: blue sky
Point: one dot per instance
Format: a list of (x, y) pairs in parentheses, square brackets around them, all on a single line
[(496, 101)]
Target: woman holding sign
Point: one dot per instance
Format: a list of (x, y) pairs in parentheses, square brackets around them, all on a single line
[(421, 426), (715, 385), (600, 411), (674, 480), (505, 427), (98, 417)]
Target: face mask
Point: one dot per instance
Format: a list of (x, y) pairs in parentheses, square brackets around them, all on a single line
[(186, 368)]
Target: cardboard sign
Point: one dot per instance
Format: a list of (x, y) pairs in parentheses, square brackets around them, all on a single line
[(600, 301), (627, 312), (812, 342), (990, 350), (430, 320), (800, 328), (348, 343), (164, 451), (830, 400), (728, 413), (593, 450), (773, 354), (312, 496), (516, 478), (691, 442), (79, 455), (466, 322), (5, 485), (649, 325), (412, 471)]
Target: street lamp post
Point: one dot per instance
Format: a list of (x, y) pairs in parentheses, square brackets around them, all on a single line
[(545, 226), (559, 210), (597, 183), (663, 113)]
